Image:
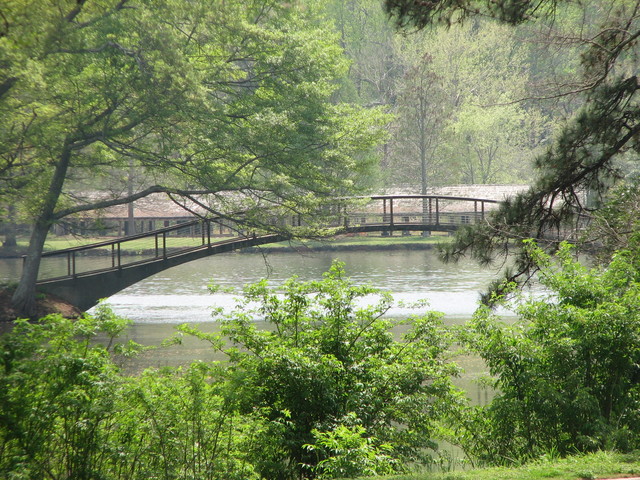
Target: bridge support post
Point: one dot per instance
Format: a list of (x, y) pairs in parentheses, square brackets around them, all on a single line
[(426, 215), (384, 210), (387, 217), (164, 245)]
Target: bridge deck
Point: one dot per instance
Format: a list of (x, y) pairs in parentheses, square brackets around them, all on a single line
[(84, 274)]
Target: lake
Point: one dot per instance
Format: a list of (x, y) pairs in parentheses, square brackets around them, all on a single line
[(180, 295)]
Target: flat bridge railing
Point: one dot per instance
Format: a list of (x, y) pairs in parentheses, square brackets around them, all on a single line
[(424, 210), (125, 251), (384, 213)]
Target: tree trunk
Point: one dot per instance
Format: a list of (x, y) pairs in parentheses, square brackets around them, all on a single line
[(10, 241), (423, 178), (24, 298), (131, 221)]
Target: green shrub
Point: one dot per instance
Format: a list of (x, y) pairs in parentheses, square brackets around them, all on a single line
[(66, 412), (325, 360), (567, 371)]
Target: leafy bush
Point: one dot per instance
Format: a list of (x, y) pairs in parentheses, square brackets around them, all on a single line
[(325, 387), (67, 412), (567, 371), (58, 396), (348, 453), (178, 424), (326, 357)]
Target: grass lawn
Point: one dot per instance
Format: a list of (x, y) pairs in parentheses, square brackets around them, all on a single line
[(60, 243), (372, 241), (594, 466)]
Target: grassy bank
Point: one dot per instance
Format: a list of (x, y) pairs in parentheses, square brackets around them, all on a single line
[(595, 466), (344, 241), (357, 242)]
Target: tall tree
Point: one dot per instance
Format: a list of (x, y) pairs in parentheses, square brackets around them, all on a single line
[(456, 107), (490, 139), (375, 71), (422, 114), (228, 98), (491, 144), (368, 41), (588, 154)]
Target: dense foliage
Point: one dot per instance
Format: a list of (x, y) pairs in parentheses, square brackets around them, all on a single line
[(454, 93), (229, 101), (324, 387), (566, 373), (318, 383), (68, 412), (328, 369)]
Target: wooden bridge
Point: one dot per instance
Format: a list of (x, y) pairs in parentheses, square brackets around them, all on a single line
[(83, 275)]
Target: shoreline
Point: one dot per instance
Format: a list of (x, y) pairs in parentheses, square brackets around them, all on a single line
[(340, 247), (45, 305), (409, 242)]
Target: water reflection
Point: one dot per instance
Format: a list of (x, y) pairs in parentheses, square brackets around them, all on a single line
[(180, 294)]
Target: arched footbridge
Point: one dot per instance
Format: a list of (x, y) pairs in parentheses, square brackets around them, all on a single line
[(83, 275)]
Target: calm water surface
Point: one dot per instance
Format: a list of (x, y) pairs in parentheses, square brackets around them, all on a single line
[(180, 295)]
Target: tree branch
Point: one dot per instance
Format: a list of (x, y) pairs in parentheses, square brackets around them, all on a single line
[(124, 200), (75, 11)]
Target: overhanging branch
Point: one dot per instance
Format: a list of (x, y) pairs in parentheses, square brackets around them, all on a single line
[(124, 200)]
